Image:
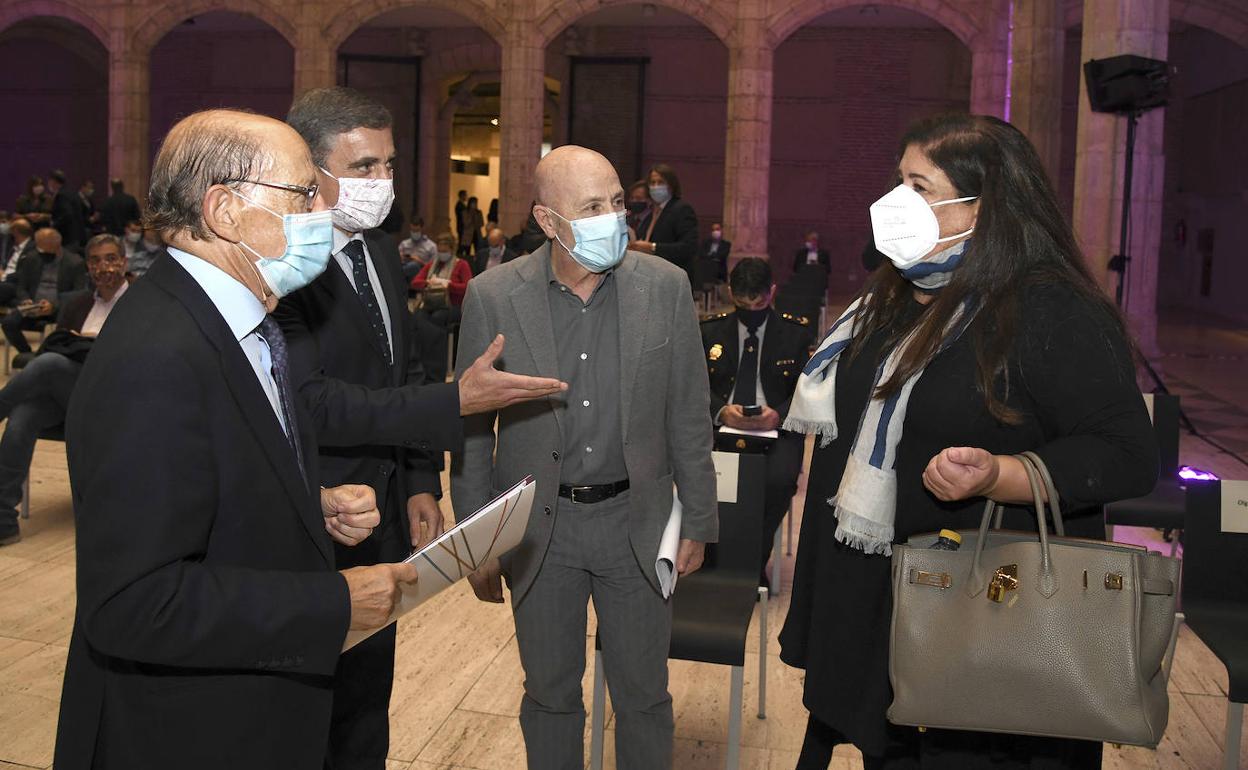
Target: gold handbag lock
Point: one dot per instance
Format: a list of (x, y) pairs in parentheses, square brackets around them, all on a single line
[(1004, 580)]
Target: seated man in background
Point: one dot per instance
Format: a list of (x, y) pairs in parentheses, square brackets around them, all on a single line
[(754, 356), (417, 249), (21, 243), (41, 278), (717, 247), (36, 397), (811, 254), (146, 252), (496, 252)]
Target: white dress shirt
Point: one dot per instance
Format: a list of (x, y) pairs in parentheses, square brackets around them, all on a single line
[(341, 240), (10, 268), (242, 313), (99, 312)]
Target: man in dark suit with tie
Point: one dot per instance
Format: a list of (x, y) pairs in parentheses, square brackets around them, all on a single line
[(754, 356), (811, 254), (210, 616), (356, 361), (717, 248)]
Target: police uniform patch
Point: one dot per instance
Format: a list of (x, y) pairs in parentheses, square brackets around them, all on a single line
[(715, 352)]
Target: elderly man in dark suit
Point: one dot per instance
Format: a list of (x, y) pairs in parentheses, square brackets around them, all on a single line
[(41, 278), (620, 328), (210, 616)]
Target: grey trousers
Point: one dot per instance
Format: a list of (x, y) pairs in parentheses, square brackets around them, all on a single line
[(590, 556)]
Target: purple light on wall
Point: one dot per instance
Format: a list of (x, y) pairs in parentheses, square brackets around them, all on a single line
[(1188, 473), (1009, 63)]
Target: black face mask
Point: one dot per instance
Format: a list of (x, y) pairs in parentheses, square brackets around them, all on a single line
[(636, 207), (753, 318)]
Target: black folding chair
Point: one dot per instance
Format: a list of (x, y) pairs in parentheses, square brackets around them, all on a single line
[(711, 609), (1165, 507), (1215, 589)]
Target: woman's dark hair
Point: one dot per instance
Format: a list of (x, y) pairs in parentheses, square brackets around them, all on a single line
[(669, 175), (32, 182), (1021, 241)]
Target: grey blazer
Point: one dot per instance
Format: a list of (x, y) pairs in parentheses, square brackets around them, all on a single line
[(665, 406)]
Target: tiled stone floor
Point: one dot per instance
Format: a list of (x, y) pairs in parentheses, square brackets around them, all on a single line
[(458, 679)]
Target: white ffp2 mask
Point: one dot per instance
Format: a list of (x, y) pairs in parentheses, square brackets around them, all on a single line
[(905, 226)]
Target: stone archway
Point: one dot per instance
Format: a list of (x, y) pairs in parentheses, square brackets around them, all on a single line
[(356, 14), (154, 27), (784, 23), (558, 16), (12, 13)]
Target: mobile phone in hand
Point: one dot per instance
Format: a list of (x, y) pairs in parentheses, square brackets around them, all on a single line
[(753, 410)]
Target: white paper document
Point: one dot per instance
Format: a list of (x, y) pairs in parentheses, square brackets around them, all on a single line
[(773, 433), (727, 466), (1235, 506), (669, 546), (487, 534)]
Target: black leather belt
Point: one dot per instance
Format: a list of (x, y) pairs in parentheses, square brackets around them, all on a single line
[(593, 493)]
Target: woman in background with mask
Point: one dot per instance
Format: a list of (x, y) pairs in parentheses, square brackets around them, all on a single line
[(985, 335), (670, 228), (35, 205)]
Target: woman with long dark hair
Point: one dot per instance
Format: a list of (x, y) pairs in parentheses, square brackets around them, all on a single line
[(36, 203), (982, 335), (670, 228)]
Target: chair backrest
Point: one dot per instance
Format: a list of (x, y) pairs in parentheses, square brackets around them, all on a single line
[(1213, 559), (705, 272), (737, 554), (1163, 408), (805, 305)]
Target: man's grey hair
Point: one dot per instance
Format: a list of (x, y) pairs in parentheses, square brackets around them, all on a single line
[(101, 240), (205, 149), (321, 115)]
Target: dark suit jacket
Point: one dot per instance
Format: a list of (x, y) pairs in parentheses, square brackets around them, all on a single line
[(376, 423), (787, 344), (117, 211), (68, 219), (27, 248), (210, 617), (72, 275), (721, 255), (799, 260), (482, 258), (75, 307), (675, 234)]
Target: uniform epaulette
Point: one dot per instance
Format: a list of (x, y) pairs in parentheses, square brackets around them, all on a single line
[(714, 317), (800, 320)]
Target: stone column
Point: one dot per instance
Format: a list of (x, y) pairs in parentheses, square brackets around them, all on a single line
[(429, 154), (747, 154), (520, 116), (440, 192), (128, 95), (1036, 82), (990, 62), (1111, 28), (316, 62)]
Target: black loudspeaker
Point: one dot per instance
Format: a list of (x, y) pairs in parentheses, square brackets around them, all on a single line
[(1126, 83)]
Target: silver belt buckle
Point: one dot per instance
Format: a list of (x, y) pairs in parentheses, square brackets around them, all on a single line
[(578, 489)]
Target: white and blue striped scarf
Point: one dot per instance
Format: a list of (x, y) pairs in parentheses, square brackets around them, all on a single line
[(866, 501)]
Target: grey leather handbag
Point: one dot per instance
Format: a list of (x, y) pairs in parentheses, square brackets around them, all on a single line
[(1048, 636)]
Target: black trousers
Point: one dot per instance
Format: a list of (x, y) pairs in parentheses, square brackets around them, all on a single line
[(359, 730), (784, 463)]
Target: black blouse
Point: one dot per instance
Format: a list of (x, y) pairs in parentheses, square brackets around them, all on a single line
[(1070, 376)]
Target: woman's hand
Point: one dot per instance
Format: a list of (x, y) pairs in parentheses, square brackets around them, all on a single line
[(959, 473)]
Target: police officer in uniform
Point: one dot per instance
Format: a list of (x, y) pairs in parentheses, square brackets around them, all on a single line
[(754, 356)]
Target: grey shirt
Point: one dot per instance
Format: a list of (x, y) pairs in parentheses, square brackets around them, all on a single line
[(587, 345), (48, 281)]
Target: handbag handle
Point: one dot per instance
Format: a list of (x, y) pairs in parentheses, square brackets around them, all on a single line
[(1046, 579), (1055, 507)]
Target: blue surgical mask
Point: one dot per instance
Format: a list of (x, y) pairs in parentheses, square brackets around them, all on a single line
[(600, 241), (660, 193), (309, 243)]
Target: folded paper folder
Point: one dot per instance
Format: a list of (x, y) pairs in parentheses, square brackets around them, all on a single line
[(487, 534)]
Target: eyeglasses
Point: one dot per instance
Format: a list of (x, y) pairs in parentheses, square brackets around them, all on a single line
[(307, 192)]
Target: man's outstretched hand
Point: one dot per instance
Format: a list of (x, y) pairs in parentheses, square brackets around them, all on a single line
[(482, 388)]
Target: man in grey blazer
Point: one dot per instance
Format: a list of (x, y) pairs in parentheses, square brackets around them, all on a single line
[(620, 328)]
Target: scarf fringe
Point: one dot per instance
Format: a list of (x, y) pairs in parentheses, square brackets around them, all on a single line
[(825, 431)]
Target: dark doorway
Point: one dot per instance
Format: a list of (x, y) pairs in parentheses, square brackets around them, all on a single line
[(395, 82)]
